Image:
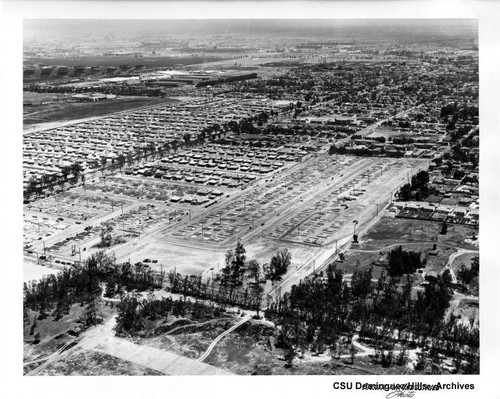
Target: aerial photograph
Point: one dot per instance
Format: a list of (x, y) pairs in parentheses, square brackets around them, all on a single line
[(250, 197)]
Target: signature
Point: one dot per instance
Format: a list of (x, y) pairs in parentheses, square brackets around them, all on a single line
[(400, 394)]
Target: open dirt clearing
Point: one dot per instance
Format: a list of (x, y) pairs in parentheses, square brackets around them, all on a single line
[(92, 363), (32, 271), (102, 339)]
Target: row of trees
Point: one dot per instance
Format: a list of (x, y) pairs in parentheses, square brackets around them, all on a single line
[(223, 294), (418, 189), (236, 266), (142, 316), (68, 174), (55, 294), (364, 152), (239, 281), (122, 90), (318, 312)]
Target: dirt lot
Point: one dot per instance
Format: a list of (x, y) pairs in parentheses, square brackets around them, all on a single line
[(90, 363), (32, 271)]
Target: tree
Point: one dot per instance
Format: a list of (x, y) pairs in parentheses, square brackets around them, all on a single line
[(361, 282), (404, 262), (352, 351), (104, 160), (151, 149), (120, 161), (106, 235), (76, 170), (226, 271), (420, 180), (254, 269), (238, 262), (466, 274), (444, 228), (279, 264), (475, 264), (130, 159), (405, 193), (48, 182)]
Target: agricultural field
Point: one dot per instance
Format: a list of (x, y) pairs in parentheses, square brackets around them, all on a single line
[(50, 111), (149, 62)]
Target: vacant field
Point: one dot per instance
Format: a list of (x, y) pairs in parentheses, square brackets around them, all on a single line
[(390, 231), (244, 351), (149, 62), (48, 328), (37, 98), (190, 341), (463, 259), (411, 235), (64, 111), (53, 334), (90, 363)]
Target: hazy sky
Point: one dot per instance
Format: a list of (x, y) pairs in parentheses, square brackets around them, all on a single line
[(63, 28)]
